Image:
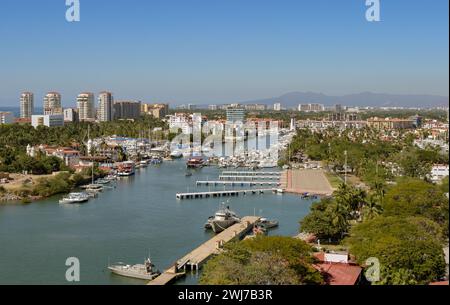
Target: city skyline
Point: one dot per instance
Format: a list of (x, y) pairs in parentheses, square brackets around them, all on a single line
[(202, 52)]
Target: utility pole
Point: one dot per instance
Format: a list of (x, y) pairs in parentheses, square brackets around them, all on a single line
[(345, 167)]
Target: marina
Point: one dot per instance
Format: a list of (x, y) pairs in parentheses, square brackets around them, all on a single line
[(238, 183), (227, 193), (251, 178), (139, 204)]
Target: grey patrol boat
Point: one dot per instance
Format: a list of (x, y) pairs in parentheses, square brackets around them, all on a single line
[(144, 271)]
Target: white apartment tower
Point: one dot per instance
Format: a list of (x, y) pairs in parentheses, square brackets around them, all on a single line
[(52, 103), (26, 105), (105, 107), (85, 105)]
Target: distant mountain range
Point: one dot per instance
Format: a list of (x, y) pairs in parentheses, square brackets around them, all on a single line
[(364, 99)]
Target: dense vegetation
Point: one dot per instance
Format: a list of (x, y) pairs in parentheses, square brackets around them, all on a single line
[(368, 157), (14, 138), (262, 261), (401, 218), (404, 228)]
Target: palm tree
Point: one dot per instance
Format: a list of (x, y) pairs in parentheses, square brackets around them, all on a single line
[(372, 208)]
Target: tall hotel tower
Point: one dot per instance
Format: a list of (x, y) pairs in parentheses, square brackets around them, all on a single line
[(86, 107), (26, 105), (105, 106), (52, 103)]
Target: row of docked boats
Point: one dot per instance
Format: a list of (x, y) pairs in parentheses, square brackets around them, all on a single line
[(90, 191)]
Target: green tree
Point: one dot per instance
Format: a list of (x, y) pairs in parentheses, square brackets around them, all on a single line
[(415, 197), (411, 245), (262, 261), (328, 219)]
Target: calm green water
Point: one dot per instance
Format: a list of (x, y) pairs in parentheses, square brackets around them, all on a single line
[(124, 224)]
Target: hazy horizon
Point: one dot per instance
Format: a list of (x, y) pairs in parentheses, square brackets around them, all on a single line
[(215, 52)]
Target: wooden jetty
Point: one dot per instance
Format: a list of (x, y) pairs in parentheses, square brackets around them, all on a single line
[(238, 183), (229, 193), (195, 259)]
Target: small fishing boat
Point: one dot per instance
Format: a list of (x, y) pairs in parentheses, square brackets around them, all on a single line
[(268, 224)]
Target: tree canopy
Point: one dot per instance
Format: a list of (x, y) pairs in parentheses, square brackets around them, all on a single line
[(262, 261), (411, 245)]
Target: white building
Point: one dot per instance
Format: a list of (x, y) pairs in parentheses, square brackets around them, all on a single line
[(277, 107), (105, 107), (439, 172), (180, 121), (26, 105), (311, 107), (52, 103), (6, 118), (70, 115), (49, 120), (85, 104)]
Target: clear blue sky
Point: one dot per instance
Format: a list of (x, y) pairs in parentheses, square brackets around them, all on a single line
[(214, 51)]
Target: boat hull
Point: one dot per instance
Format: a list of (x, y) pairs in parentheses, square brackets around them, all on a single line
[(135, 275), (219, 225)]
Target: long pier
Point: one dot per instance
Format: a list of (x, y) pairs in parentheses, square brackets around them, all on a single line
[(195, 259), (244, 178), (250, 173), (229, 193), (238, 183)]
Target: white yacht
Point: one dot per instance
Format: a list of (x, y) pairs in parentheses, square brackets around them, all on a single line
[(75, 198)]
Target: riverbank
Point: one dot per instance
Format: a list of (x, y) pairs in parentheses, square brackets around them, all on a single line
[(30, 188), (139, 216)]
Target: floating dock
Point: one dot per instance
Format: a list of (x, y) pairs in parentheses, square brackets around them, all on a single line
[(238, 183), (195, 259), (248, 173), (229, 193), (245, 178)]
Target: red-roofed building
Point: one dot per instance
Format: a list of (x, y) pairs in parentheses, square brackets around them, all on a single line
[(444, 283), (337, 269)]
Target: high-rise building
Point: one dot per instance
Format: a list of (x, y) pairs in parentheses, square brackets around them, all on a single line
[(127, 110), (52, 103), (86, 108), (277, 107), (105, 107), (26, 105)]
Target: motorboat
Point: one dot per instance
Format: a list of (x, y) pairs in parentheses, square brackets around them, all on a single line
[(74, 198), (176, 154), (223, 219), (268, 224), (144, 271)]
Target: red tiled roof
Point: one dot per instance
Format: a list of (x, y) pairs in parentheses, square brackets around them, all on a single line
[(337, 273), (445, 283)]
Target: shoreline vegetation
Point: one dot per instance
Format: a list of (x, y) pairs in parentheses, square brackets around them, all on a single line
[(32, 188), (48, 176)]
